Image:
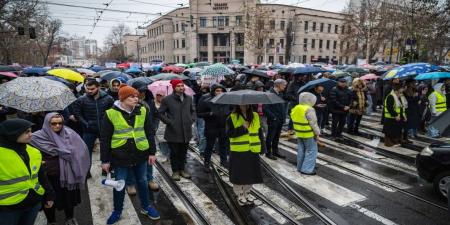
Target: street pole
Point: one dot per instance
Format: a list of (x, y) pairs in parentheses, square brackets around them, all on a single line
[(368, 45), (137, 46)]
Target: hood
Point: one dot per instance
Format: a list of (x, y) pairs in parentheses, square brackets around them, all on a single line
[(307, 98), (214, 87), (113, 80), (11, 129), (437, 87)]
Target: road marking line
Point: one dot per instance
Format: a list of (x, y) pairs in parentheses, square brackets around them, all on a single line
[(372, 215)]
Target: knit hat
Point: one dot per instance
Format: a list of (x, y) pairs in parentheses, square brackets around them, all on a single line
[(175, 82), (126, 91), (11, 129)]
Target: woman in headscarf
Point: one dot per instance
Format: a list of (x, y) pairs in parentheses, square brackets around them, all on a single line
[(21, 198), (66, 160), (394, 116)]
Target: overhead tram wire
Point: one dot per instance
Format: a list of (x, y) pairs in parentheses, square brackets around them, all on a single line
[(99, 16)]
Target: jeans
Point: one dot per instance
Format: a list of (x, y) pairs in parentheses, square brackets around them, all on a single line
[(164, 148), (320, 114), (337, 124), (200, 124), (273, 136), (131, 179), (222, 142), (89, 139), (369, 108), (353, 122), (20, 217), (306, 155), (140, 172), (412, 132), (178, 153)]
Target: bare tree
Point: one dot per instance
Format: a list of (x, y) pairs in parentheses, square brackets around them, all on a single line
[(257, 30), (114, 42), (47, 34)]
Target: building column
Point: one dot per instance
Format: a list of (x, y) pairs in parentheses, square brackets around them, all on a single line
[(210, 47), (233, 46)]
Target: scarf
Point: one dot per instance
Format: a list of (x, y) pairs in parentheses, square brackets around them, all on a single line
[(71, 150)]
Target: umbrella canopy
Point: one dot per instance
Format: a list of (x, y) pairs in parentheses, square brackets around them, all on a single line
[(202, 64), (65, 82), (247, 97), (115, 75), (86, 71), (217, 69), (34, 70), (354, 69), (8, 74), (287, 70), (139, 81), (271, 73), (325, 82), (133, 70), (408, 70), (369, 76), (7, 68), (433, 76), (123, 65), (181, 65), (340, 73), (168, 76), (255, 72), (98, 68), (308, 70), (67, 74), (166, 87), (190, 65), (195, 70), (172, 69), (35, 94), (100, 73)]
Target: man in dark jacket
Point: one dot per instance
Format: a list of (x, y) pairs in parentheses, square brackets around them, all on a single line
[(177, 112), (89, 110), (215, 117), (292, 97), (128, 144), (339, 101), (276, 115), (113, 89)]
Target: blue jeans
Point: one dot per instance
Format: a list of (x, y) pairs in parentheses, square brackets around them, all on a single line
[(89, 139), (200, 124), (131, 179), (140, 172), (20, 217), (164, 148), (306, 155)]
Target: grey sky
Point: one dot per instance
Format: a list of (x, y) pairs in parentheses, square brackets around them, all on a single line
[(77, 21)]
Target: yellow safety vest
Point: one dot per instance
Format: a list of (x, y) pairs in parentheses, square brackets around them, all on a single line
[(441, 101), (396, 107), (249, 141), (15, 178), (301, 124), (123, 131)]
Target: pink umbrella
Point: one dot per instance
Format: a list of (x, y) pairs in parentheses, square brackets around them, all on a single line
[(166, 87), (271, 73), (369, 76), (8, 74)]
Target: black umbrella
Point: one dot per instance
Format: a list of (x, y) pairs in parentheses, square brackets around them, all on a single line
[(259, 73), (139, 81), (247, 97), (325, 82)]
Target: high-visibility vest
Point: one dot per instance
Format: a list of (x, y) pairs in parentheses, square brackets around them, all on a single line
[(249, 141), (441, 101), (123, 131), (396, 108), (301, 124), (16, 178)]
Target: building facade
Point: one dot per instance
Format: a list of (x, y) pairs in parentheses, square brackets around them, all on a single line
[(132, 45), (222, 31)]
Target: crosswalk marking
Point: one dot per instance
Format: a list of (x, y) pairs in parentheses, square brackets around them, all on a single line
[(372, 215)]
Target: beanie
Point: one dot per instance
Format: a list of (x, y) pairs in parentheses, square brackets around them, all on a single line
[(126, 91), (175, 82)]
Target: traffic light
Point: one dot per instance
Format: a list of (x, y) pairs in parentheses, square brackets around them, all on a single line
[(32, 32), (21, 30)]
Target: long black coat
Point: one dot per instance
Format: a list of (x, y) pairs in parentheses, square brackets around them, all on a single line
[(215, 115), (178, 116), (338, 99)]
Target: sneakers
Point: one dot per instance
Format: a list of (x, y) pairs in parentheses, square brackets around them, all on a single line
[(242, 201), (131, 190), (72, 221), (176, 176), (115, 216), (185, 174), (153, 185), (151, 213)]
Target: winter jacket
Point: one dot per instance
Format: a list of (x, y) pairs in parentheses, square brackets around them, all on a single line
[(275, 112), (128, 154), (215, 115), (291, 93), (307, 98), (178, 115), (338, 99), (90, 111)]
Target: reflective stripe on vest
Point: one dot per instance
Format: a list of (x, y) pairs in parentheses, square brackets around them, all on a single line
[(249, 141), (397, 108), (123, 131), (301, 124), (441, 102), (17, 180)]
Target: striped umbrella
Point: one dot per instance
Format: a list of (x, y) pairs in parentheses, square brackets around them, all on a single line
[(217, 69)]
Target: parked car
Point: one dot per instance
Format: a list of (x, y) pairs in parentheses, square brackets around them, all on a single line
[(433, 165)]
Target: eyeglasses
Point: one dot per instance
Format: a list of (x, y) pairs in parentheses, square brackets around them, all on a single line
[(56, 123)]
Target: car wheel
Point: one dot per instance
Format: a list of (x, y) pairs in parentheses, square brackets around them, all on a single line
[(442, 183)]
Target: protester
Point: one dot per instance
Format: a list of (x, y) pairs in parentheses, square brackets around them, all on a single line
[(259, 108), (243, 126), (162, 143), (321, 105), (200, 122), (127, 144), (340, 100), (438, 101), (113, 89), (358, 106), (4, 111), (177, 112), (276, 116), (413, 115), (394, 115), (66, 162), (424, 109), (215, 117), (89, 109), (22, 198), (307, 131), (292, 97)]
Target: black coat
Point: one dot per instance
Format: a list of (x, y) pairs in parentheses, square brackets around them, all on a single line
[(292, 92), (275, 112), (128, 154), (178, 116), (338, 99), (413, 112), (215, 115), (90, 111)]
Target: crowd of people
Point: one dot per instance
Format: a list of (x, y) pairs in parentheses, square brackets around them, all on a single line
[(52, 151)]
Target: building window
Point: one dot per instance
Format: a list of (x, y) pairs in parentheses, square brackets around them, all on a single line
[(178, 59), (183, 59), (314, 27), (203, 39), (239, 39), (280, 59), (321, 27), (334, 44), (203, 21), (282, 24), (271, 42), (306, 25), (272, 24), (238, 20), (183, 43), (183, 26), (329, 28), (178, 46), (305, 43), (313, 43), (176, 27), (328, 44), (320, 43), (304, 59), (282, 43), (271, 59), (220, 21), (342, 30), (336, 27), (348, 45)]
